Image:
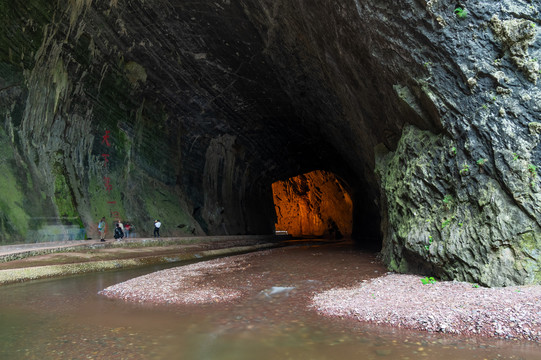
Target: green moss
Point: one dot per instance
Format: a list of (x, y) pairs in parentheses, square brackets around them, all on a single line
[(529, 241), (100, 199), (403, 268), (13, 219), (393, 266), (530, 244), (64, 197), (135, 73), (516, 35), (162, 203), (537, 277)]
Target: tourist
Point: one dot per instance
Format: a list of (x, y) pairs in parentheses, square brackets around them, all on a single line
[(157, 225), (101, 228), (119, 234), (127, 229)]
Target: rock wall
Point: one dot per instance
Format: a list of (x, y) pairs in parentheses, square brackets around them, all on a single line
[(463, 203), (429, 110), (313, 204)]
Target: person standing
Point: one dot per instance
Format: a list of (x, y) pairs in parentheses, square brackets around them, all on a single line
[(157, 225), (127, 228), (101, 228)]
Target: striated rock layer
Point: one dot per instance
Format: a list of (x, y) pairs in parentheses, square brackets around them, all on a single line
[(313, 204), (188, 112)]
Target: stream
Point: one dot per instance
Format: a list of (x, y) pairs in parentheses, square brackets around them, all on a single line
[(67, 319)]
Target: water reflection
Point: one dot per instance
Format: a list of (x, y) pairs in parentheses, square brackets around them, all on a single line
[(66, 319)]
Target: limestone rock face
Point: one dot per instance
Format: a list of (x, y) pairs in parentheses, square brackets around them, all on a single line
[(188, 112), (313, 204)]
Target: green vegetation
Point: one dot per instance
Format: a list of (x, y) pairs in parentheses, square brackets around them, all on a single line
[(428, 280), (481, 161), (461, 13), (430, 240), (447, 199), (532, 169), (445, 223), (465, 169), (515, 157), (14, 218), (63, 194)]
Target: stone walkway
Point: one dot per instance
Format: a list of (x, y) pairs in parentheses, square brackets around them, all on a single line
[(21, 248), (24, 262), (10, 252), (18, 251)]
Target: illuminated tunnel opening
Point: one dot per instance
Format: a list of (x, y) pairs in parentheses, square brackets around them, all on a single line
[(315, 204)]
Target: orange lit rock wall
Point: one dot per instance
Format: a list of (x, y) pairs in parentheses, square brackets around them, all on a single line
[(313, 204)]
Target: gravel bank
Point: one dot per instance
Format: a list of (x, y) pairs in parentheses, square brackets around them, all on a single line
[(447, 307), (181, 285), (393, 299)]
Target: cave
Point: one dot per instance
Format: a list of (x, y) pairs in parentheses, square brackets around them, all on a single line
[(189, 112), (319, 204), (315, 204)]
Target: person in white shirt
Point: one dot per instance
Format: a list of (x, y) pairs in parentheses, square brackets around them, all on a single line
[(101, 228), (157, 225)]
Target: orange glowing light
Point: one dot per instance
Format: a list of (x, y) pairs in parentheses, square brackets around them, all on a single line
[(313, 204)]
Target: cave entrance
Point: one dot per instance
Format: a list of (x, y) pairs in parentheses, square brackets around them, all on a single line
[(315, 204)]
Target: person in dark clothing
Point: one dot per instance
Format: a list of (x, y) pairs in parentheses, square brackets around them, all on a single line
[(119, 234)]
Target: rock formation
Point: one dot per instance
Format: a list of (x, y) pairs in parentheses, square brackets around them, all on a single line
[(313, 204), (188, 112)]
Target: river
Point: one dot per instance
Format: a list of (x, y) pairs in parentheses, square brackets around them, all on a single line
[(67, 319)]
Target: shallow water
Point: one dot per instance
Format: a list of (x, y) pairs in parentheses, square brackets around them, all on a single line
[(67, 319)]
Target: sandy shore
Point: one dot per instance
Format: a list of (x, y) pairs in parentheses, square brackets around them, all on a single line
[(393, 300)]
